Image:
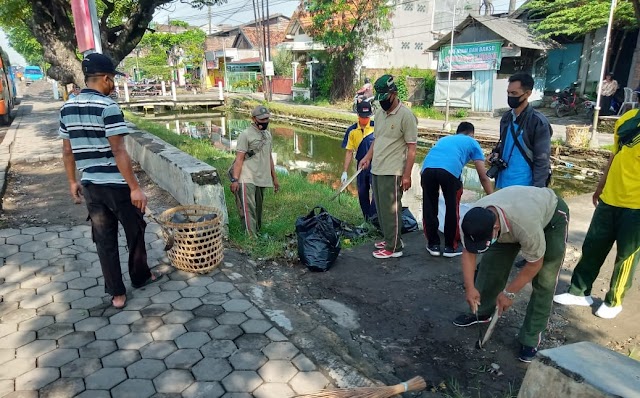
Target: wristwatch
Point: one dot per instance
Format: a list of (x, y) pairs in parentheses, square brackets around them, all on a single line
[(509, 295), (233, 179)]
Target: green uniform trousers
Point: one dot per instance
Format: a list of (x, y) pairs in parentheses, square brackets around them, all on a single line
[(609, 224), (387, 193), (495, 267), (249, 199)]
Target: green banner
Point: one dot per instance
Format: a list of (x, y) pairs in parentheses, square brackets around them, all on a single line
[(471, 56)]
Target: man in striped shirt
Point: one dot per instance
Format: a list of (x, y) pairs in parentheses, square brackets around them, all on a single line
[(92, 129)]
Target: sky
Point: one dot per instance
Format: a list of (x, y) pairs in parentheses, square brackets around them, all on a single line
[(14, 57)]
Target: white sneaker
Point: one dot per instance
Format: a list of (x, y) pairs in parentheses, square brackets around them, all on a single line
[(570, 299), (607, 312)]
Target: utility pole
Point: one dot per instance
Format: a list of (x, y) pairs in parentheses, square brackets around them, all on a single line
[(512, 6), (209, 12), (269, 50)]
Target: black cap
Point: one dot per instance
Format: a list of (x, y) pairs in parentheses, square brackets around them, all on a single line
[(96, 63), (477, 226), (364, 108)]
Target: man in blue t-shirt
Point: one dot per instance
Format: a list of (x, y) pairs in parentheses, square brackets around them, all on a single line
[(442, 168)]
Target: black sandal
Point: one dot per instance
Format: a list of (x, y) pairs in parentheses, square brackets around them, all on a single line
[(149, 280)]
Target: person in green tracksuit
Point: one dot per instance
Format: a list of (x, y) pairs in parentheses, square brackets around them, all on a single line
[(517, 218)]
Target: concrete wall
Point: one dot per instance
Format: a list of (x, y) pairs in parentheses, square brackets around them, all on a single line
[(186, 178), (584, 370)]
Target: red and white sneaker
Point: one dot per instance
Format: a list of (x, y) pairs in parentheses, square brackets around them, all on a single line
[(383, 253), (382, 244)]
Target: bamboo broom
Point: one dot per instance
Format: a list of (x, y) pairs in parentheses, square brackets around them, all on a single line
[(415, 384)]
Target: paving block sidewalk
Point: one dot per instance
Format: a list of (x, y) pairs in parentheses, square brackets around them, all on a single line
[(186, 335)]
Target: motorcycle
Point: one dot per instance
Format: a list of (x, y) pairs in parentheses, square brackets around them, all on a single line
[(359, 98), (567, 100)]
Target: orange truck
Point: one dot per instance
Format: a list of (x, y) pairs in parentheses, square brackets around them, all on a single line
[(7, 89)]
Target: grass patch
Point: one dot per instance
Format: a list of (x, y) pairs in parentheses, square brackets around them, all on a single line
[(608, 147), (307, 112), (297, 197)]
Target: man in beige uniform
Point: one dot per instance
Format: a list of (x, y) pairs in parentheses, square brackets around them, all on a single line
[(391, 157), (531, 219), (253, 170)]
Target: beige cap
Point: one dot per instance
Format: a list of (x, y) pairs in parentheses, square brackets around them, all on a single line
[(260, 112)]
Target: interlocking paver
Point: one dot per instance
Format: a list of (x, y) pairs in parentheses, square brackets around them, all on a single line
[(247, 360), (173, 381), (168, 332), (55, 331), (203, 389), (7, 250), (19, 294), (121, 359), (35, 349), (72, 315), (215, 298), (274, 390), (236, 294), (82, 283), (218, 349), (36, 378), (134, 388), (256, 326), (61, 388), (254, 313), (112, 332), (208, 310), (76, 339), (211, 369), (280, 350), (277, 371), (51, 288), (174, 285), (88, 256), (156, 310), (19, 276), (220, 287), (192, 340), (158, 349), (98, 349), (86, 303), (93, 272), (53, 309), (308, 382), (97, 291), (45, 236), (47, 254), (125, 318), (134, 341), (18, 239), (34, 265), (36, 301), (91, 324), (146, 369), (241, 381), (194, 291), (66, 276), (237, 395), (50, 270), (180, 317), (7, 307), (5, 233), (186, 304), (252, 341), (81, 367), (6, 355), (16, 316), (136, 304), (237, 305), (33, 230), (35, 282), (200, 281), (105, 378), (148, 291), (59, 243), (6, 329), (303, 363), (201, 324), (6, 388), (72, 234), (19, 259), (84, 242), (58, 357), (17, 367), (76, 265), (17, 339), (68, 296), (147, 324), (36, 323), (183, 359), (232, 318), (226, 332), (166, 297)]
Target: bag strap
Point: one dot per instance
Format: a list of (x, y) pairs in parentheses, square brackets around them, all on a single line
[(527, 155)]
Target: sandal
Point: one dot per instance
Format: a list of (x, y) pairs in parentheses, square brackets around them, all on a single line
[(119, 307), (155, 276)]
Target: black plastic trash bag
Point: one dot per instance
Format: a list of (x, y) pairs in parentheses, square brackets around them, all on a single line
[(319, 239), (409, 223)]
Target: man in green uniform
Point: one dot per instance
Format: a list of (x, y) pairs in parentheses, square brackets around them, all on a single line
[(533, 220), (391, 158), (253, 170)]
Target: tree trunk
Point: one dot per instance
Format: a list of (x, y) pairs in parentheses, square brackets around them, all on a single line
[(344, 74)]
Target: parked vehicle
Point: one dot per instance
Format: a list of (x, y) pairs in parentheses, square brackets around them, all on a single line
[(7, 90), (567, 101), (33, 73), (18, 72)]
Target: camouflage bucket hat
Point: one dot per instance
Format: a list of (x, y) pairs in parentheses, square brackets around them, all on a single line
[(384, 86)]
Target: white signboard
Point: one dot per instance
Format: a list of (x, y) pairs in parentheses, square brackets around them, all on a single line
[(268, 68)]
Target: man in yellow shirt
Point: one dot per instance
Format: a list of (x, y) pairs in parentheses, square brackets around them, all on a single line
[(358, 139), (616, 219)]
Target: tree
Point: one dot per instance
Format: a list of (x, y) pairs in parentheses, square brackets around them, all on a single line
[(123, 23), (346, 28), (577, 17)]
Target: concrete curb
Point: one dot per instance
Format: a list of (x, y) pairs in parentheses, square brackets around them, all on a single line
[(5, 150)]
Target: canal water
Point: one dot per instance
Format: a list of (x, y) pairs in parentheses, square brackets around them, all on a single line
[(320, 156)]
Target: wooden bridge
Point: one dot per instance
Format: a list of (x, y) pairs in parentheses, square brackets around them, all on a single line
[(146, 97)]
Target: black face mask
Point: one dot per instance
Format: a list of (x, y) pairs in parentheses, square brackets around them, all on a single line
[(262, 125), (514, 102), (386, 104)]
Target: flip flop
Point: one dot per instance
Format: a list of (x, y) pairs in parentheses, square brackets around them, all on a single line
[(149, 280), (118, 307)]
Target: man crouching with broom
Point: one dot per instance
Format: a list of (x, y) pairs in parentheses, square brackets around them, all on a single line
[(533, 220)]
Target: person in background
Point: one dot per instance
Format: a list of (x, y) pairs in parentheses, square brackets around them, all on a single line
[(75, 92), (358, 138), (442, 169), (616, 219), (366, 91), (609, 88), (391, 158), (253, 170), (92, 129)]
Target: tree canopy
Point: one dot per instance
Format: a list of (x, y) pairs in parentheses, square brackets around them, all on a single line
[(578, 17), (123, 24)]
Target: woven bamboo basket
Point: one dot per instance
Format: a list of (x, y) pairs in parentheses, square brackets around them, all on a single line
[(198, 245), (577, 136)]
